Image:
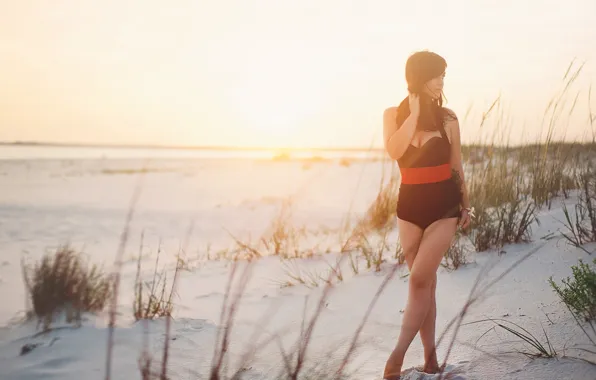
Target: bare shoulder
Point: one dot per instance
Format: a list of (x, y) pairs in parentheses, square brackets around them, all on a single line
[(451, 116), (390, 112), (389, 117), (451, 124)]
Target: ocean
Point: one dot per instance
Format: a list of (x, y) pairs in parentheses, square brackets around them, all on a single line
[(36, 152)]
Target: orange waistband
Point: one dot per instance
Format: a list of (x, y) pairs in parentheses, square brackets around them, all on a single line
[(431, 174)]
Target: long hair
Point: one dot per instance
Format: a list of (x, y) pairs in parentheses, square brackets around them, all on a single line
[(421, 67)]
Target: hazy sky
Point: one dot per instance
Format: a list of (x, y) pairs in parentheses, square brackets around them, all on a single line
[(276, 72)]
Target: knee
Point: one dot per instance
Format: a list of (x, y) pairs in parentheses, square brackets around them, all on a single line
[(410, 253), (421, 281)]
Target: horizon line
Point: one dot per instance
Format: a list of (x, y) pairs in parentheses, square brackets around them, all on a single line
[(239, 148), (182, 147)]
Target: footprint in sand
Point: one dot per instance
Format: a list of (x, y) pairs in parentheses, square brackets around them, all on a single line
[(208, 295)]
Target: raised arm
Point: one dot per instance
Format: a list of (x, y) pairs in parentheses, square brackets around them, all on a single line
[(398, 137)]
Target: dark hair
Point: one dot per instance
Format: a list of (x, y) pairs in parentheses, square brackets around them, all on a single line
[(421, 67)]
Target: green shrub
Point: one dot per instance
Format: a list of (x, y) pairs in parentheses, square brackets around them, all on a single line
[(579, 293)]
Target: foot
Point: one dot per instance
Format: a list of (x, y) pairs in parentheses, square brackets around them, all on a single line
[(431, 365), (393, 367)]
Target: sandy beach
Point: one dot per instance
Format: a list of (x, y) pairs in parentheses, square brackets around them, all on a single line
[(84, 202)]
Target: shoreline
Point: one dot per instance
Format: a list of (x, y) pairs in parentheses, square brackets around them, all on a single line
[(187, 147)]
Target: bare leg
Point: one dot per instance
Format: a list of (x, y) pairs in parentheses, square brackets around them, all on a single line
[(435, 242), (427, 333), (427, 330)]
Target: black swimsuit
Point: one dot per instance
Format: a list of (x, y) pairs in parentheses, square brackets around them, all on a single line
[(430, 193)]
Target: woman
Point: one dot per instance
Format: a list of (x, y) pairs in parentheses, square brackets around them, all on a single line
[(424, 138)]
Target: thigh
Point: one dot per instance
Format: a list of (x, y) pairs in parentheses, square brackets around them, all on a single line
[(436, 240), (410, 236)]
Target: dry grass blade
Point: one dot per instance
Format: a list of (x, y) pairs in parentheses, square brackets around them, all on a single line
[(228, 313), (309, 278), (158, 303), (294, 362), (249, 353), (145, 359), (244, 247), (179, 261), (475, 295), (524, 335), (307, 334), (138, 292), (353, 343), (154, 300), (591, 116), (116, 277)]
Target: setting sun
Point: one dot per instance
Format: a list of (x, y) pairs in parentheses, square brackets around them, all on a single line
[(276, 190)]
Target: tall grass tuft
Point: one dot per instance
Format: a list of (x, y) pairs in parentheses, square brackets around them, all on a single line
[(497, 187), (282, 238), (381, 213), (296, 275), (63, 282), (537, 349), (154, 299), (581, 225), (457, 254), (550, 161), (507, 223)]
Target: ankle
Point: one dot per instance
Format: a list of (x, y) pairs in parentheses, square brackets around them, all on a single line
[(394, 362), (430, 357)]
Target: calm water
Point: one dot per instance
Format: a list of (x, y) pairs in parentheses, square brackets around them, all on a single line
[(20, 152)]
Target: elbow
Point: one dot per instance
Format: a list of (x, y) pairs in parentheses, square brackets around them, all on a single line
[(395, 151), (393, 154), (394, 146)]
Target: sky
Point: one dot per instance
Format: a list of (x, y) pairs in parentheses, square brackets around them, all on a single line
[(282, 73)]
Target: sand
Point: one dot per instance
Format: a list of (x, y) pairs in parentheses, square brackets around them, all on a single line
[(45, 203)]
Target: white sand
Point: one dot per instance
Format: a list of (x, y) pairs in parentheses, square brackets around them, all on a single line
[(46, 203)]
